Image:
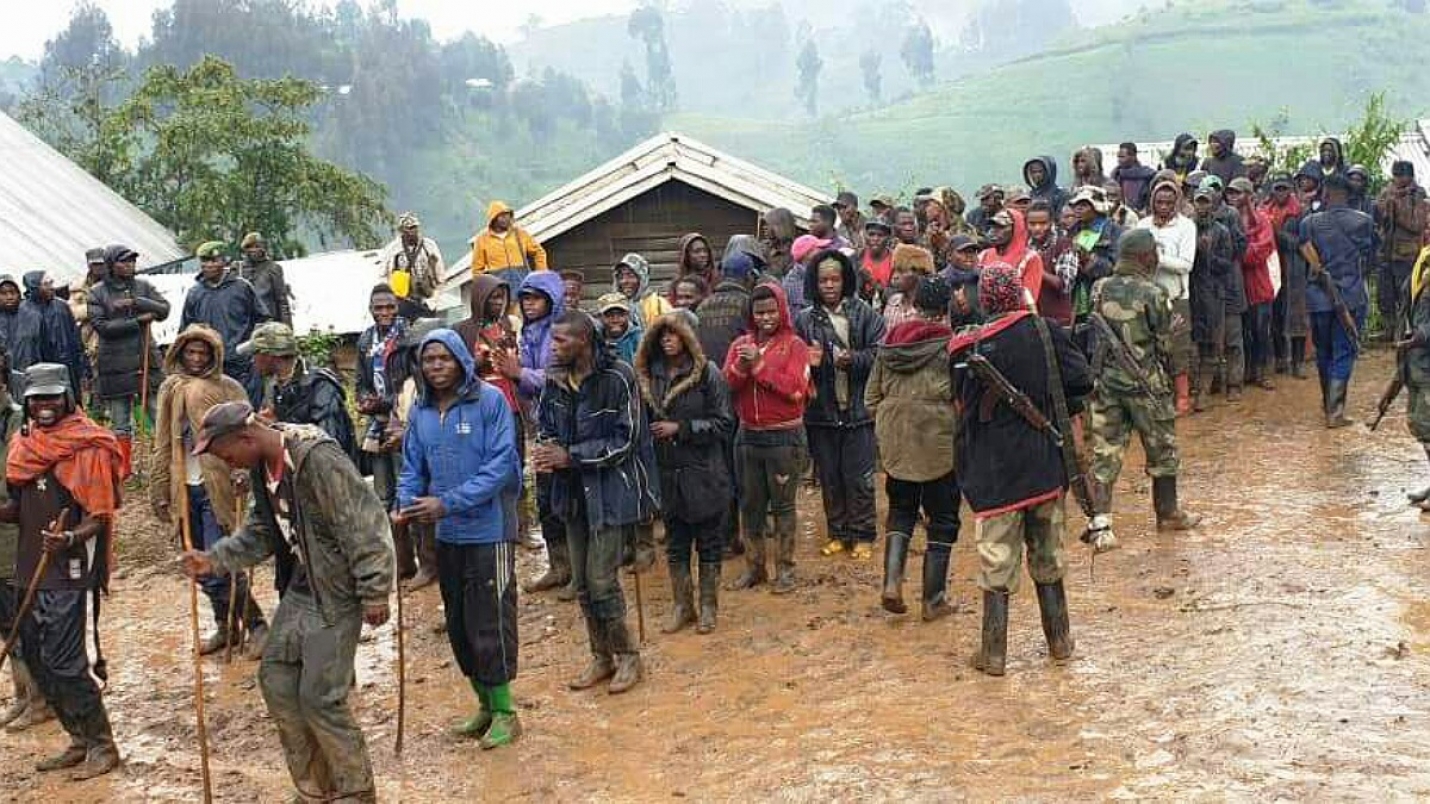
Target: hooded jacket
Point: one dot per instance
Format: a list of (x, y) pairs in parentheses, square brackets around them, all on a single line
[(1136, 185), (316, 397), (183, 401), (603, 427), (772, 393), (1094, 155), (119, 360), (815, 327), (1048, 190), (535, 340), (513, 248), (1176, 245), (1261, 244), (1229, 165), (683, 266), (1216, 274), (24, 347), (910, 395), (646, 304), (694, 478), (483, 337), (232, 308), (466, 456), (1337, 167), (1176, 163), (53, 329), (722, 318), (1018, 254)]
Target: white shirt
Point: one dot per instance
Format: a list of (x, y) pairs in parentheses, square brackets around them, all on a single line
[(1176, 251)]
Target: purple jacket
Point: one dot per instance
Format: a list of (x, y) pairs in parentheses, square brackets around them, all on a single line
[(535, 349)]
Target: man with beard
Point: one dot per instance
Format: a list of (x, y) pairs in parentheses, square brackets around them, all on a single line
[(63, 472), (412, 266), (122, 308), (195, 383), (266, 277), (593, 439), (57, 334), (327, 532), (228, 304)]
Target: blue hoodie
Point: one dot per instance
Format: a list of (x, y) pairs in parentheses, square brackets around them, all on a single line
[(467, 457), (535, 351)]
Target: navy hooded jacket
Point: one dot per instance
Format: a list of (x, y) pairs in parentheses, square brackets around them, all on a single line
[(52, 325)]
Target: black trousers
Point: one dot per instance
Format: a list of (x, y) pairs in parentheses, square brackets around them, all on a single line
[(844, 462), (939, 499), (705, 537), (478, 583), (52, 641), (9, 601)]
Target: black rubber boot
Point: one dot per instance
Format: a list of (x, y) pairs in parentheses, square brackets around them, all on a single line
[(1053, 606), (992, 656), (896, 554), (784, 556), (1170, 515), (754, 573), (101, 754), (558, 567), (682, 592), (629, 668), (709, 596), (602, 665), (1336, 404), (935, 592), (1298, 358)]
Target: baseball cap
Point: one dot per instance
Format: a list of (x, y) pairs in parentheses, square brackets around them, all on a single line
[(1241, 184), (962, 241), (613, 301), (882, 201), (95, 256), (270, 338), (878, 223), (47, 379), (221, 420), (988, 190)]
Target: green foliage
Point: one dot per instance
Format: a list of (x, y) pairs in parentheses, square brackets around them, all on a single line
[(1368, 139), (317, 347)]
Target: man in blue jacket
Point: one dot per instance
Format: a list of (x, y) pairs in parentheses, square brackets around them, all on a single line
[(460, 472)]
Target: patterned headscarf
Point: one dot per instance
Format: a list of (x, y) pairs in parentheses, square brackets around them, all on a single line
[(1000, 288)]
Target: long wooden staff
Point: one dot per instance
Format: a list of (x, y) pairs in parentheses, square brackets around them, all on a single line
[(401, 672), (20, 613), (184, 529), (144, 370), (640, 602), (235, 622)]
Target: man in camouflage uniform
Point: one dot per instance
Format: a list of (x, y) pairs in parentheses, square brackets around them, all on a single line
[(1414, 351), (1140, 315)]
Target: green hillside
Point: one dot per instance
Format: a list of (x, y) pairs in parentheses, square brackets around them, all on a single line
[(1188, 68)]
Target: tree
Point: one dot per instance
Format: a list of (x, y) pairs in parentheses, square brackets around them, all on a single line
[(807, 85), (917, 53), (869, 63), (87, 42), (647, 25)]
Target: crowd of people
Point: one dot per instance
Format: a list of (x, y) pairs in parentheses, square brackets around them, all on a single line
[(998, 357)]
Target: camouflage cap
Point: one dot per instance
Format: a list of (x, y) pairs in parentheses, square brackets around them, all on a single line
[(613, 301), (270, 338), (408, 220), (209, 250), (253, 239), (222, 419), (882, 200)]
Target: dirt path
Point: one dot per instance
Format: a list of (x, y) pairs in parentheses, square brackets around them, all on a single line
[(1280, 652)]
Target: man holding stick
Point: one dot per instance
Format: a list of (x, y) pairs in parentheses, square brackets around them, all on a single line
[(321, 521), (63, 474)]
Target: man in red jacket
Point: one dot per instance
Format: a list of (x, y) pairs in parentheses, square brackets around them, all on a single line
[(768, 373), (1256, 279)]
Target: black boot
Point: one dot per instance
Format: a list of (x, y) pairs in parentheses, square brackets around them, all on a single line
[(101, 755), (935, 593), (558, 565), (784, 555), (1053, 606), (709, 596), (602, 665), (682, 592), (257, 629), (1298, 358), (1336, 404), (754, 573), (992, 656), (627, 656), (896, 554), (1170, 515)]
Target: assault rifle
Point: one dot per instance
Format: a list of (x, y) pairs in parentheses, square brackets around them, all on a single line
[(1387, 398), (1322, 277), (991, 377), (1110, 341)]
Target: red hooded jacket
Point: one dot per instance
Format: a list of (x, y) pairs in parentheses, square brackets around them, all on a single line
[(1019, 255), (1260, 245), (773, 393)]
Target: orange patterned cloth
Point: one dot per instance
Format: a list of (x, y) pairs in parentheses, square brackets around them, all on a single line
[(84, 457)]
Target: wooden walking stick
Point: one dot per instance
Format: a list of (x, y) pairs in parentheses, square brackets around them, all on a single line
[(34, 585), (640, 603), (235, 621), (184, 530), (401, 675)]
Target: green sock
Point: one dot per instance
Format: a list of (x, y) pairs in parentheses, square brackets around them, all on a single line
[(500, 699)]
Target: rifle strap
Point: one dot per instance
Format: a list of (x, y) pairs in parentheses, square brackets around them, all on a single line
[(1060, 412)]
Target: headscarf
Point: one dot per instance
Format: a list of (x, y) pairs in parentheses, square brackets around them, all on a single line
[(1000, 288)]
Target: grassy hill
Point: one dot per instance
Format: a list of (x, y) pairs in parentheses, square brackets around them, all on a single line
[(1186, 68)]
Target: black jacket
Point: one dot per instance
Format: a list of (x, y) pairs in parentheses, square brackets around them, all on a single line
[(272, 289), (58, 340), (318, 398), (120, 357), (722, 319), (694, 478), (232, 308), (866, 331), (1215, 283)]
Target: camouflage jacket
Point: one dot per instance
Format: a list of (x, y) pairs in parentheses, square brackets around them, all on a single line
[(1139, 311)]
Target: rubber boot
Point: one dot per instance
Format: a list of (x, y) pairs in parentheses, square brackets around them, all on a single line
[(257, 627), (601, 667), (935, 603), (69, 758), (101, 754), (629, 669), (682, 591), (896, 554), (426, 537), (32, 706), (1415, 497), (754, 573), (730, 528), (477, 724), (558, 567), (1198, 380), (1053, 607), (20, 679), (1298, 358), (1182, 384), (784, 556), (1170, 515), (1336, 405), (992, 655), (505, 726), (709, 596), (221, 637)]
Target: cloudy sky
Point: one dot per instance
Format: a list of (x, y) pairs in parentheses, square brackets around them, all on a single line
[(25, 34)]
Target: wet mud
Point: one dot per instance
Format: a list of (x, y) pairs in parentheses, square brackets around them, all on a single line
[(1279, 652)]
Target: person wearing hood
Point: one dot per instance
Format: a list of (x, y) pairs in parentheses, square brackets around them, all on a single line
[(1223, 161), (1337, 242), (1256, 281), (1087, 168), (1140, 316), (911, 264), (55, 331), (1288, 312), (1008, 239), (461, 472), (1134, 178), (294, 393), (22, 341), (1401, 214), (505, 249), (195, 383), (1041, 176), (1217, 304), (1183, 158), (266, 276), (412, 266), (631, 278), (1011, 473), (776, 234), (692, 424), (227, 303), (843, 333), (121, 308), (1331, 157), (910, 396), (594, 439), (697, 258), (767, 369)]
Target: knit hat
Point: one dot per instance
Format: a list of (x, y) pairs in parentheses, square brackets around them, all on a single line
[(914, 258), (1000, 288), (932, 295), (805, 245)]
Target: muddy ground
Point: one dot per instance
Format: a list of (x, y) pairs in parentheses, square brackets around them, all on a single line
[(1280, 652)]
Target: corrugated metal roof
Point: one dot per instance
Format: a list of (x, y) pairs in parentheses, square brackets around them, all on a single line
[(52, 211), (665, 157)]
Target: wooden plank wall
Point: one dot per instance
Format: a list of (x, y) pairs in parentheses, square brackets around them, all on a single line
[(651, 225)]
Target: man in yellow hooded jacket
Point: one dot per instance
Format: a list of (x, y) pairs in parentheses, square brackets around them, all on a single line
[(505, 249)]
